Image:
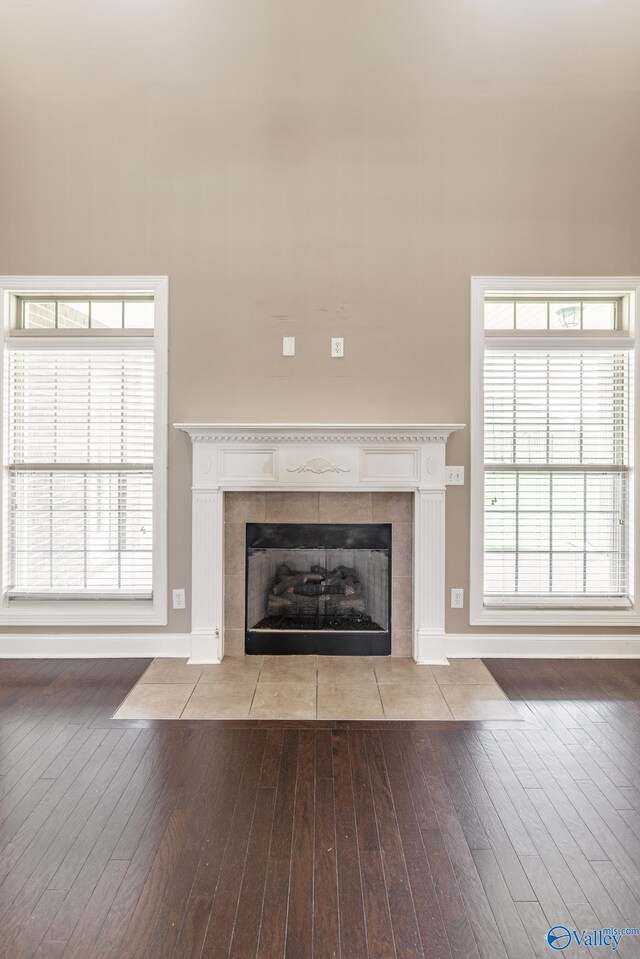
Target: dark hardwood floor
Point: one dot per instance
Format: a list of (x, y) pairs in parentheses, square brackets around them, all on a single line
[(137, 840)]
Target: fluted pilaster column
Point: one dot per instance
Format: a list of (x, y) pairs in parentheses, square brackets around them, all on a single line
[(207, 590), (429, 549)]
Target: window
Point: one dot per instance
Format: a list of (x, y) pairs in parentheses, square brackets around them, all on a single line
[(84, 426), (553, 498)]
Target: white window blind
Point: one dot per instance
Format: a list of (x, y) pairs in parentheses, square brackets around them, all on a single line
[(557, 461), (79, 465)]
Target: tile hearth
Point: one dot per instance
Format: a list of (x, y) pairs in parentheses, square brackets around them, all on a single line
[(317, 687)]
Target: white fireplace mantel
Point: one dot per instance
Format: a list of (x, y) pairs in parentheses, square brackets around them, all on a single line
[(312, 456)]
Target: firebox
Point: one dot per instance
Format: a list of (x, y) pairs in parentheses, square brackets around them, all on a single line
[(318, 588)]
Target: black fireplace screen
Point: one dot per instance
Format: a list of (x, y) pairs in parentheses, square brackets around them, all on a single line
[(311, 577)]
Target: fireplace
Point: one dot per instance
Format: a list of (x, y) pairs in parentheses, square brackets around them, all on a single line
[(318, 588), (329, 460)]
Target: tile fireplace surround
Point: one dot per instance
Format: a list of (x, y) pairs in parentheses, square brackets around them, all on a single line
[(325, 507), (316, 459)]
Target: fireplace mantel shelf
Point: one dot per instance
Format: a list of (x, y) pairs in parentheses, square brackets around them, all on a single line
[(356, 457), (319, 432)]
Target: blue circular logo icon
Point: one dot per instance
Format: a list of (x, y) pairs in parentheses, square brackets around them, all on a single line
[(559, 937)]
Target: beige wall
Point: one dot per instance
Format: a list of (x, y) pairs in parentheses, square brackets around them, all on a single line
[(315, 168)]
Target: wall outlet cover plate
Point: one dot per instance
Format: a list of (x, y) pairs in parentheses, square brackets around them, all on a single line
[(454, 475)]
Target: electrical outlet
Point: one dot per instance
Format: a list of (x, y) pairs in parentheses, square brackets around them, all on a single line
[(454, 475), (457, 598), (337, 346), (288, 346), (179, 600)]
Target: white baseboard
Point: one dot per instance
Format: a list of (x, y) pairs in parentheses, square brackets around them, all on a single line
[(542, 646), (94, 645), (148, 645)]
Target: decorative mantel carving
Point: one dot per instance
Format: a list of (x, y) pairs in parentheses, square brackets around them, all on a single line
[(318, 465), (314, 456)]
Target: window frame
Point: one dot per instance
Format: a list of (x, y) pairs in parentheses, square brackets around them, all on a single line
[(543, 614), (92, 612)]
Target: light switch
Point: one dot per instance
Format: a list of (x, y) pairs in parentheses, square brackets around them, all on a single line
[(288, 346), (337, 346)]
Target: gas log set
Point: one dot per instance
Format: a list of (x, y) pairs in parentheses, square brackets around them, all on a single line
[(317, 599)]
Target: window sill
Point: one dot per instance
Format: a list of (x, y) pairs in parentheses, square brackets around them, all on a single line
[(82, 613)]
